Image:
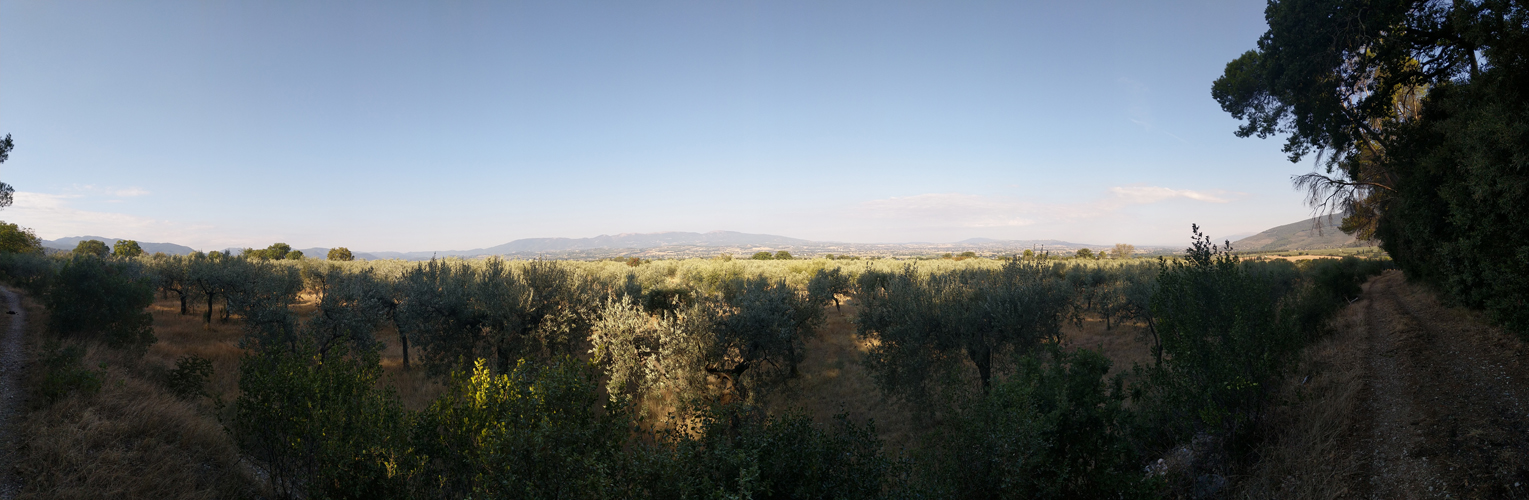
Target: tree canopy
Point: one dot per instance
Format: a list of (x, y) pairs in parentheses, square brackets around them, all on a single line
[(1416, 112), (17, 239), (126, 248), (7, 193), (276, 251), (97, 248), (340, 254)]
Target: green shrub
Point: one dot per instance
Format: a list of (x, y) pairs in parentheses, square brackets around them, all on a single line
[(734, 451), (96, 298), (1055, 429), (62, 374), (534, 432), (321, 429), (32, 272), (189, 378), (1223, 341)]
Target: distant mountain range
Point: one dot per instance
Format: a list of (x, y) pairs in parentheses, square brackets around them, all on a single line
[(675, 245), (69, 243), (1303, 235), (624, 241)]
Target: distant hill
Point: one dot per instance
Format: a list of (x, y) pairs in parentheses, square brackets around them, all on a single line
[(605, 242), (1303, 235), (69, 243), (1029, 243), (672, 245), (645, 240)]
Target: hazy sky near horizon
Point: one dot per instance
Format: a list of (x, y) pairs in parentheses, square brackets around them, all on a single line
[(412, 126)]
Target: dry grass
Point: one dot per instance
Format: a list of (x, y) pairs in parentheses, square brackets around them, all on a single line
[(1316, 406), (1121, 343), (132, 439), (832, 380)]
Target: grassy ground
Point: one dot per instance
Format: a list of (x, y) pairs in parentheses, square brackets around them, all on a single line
[(132, 438), (1362, 252)]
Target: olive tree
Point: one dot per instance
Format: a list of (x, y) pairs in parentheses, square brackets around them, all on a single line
[(827, 285), (351, 308), (748, 335), (924, 326), (171, 274)]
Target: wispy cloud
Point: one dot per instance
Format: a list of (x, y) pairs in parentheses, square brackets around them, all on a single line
[(121, 192), (1139, 107), (1153, 194), (52, 216), (978, 211)]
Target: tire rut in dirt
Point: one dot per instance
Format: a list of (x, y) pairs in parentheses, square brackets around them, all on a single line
[(1470, 384), (1388, 440)]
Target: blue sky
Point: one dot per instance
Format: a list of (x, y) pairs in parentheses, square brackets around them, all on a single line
[(455, 125)]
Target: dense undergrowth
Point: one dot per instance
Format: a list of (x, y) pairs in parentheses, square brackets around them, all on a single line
[(553, 371)]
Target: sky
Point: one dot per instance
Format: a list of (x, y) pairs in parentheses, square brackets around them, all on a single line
[(417, 126)]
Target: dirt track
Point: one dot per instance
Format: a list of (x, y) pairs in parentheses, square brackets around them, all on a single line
[(11, 359), (1442, 413)]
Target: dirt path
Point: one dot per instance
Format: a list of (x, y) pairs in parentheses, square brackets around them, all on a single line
[(1442, 413), (11, 358)]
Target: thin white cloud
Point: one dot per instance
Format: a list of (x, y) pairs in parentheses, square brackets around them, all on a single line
[(978, 211), (1154, 194), (51, 216), (121, 192)]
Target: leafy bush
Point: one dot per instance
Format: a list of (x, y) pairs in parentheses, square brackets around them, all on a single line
[(534, 432), (1055, 429), (321, 429), (189, 378), (32, 272), (102, 299), (734, 451), (1223, 341), (62, 374)]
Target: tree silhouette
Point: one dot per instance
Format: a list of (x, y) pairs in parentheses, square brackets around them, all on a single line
[(7, 193)]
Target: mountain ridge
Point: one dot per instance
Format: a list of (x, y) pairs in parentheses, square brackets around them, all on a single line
[(1302, 235)]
